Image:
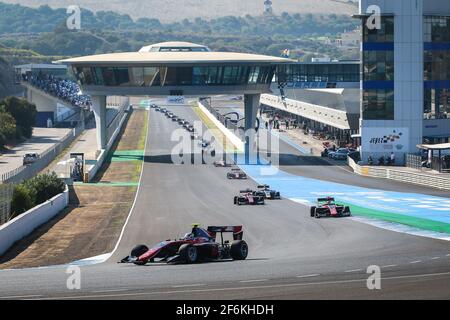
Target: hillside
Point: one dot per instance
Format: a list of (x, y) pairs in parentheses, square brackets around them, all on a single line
[(176, 10), (6, 79)]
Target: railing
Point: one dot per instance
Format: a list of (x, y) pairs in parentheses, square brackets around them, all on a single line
[(413, 161), (6, 193), (26, 172), (426, 180), (62, 117)]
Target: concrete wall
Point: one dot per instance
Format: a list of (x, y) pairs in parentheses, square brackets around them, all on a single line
[(103, 153), (24, 224)]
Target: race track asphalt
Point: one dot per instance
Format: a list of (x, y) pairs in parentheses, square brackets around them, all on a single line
[(292, 256)]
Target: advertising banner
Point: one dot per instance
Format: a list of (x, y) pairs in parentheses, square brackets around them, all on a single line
[(175, 99), (385, 139)]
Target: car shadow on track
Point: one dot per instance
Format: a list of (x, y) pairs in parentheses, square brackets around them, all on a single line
[(159, 264)]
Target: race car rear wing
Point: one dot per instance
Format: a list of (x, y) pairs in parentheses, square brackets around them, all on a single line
[(263, 186), (236, 230), (246, 191), (325, 199)]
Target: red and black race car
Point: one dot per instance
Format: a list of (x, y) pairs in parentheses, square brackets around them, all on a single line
[(248, 197), (237, 174), (198, 245), (326, 207)]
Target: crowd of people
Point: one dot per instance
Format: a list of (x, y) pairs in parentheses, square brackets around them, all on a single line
[(64, 89)]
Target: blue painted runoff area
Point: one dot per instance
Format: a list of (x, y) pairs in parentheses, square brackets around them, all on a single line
[(307, 190)]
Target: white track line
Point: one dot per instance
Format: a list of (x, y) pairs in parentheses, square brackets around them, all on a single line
[(309, 275), (417, 261), (112, 290), (355, 270), (22, 297), (389, 266), (435, 258), (250, 281), (189, 285)]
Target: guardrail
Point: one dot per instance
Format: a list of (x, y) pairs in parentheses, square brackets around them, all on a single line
[(421, 179), (26, 172)]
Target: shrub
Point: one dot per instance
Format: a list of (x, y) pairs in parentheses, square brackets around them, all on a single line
[(44, 187), (22, 200), (35, 191)]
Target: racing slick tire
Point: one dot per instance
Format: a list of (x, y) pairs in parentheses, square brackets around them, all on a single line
[(188, 253), (313, 212), (139, 250), (347, 212), (239, 250)]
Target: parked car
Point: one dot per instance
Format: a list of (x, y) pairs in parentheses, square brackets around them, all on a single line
[(341, 154)]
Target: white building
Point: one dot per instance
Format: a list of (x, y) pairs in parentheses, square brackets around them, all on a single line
[(405, 75)]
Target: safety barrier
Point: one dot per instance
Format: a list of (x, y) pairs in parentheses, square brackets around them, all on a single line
[(24, 224), (421, 179), (116, 121), (26, 172)]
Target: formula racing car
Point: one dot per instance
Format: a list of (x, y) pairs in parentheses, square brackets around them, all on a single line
[(267, 193), (198, 245), (248, 197), (326, 207), (236, 174)]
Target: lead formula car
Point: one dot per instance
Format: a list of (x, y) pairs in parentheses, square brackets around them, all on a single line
[(198, 245)]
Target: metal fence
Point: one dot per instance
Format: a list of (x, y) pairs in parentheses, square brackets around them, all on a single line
[(6, 192), (413, 161), (26, 172)]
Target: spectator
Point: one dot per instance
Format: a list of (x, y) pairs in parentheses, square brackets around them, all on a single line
[(63, 89)]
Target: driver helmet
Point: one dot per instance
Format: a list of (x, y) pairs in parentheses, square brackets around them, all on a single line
[(189, 236)]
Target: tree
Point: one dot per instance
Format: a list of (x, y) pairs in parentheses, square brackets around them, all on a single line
[(24, 114), (7, 128), (22, 200)]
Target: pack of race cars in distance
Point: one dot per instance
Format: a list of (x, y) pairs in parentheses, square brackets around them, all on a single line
[(196, 246), (327, 207), (182, 122)]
